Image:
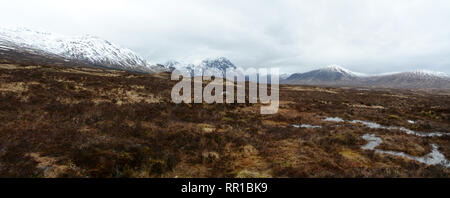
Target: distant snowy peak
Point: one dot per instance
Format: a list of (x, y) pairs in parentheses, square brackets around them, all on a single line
[(220, 63), (210, 66), (86, 48), (339, 69), (326, 75), (335, 68), (172, 64)]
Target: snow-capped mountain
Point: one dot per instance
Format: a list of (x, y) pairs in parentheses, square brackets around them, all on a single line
[(220, 63), (214, 66), (411, 80), (339, 76), (323, 76), (88, 49), (206, 67), (341, 70)]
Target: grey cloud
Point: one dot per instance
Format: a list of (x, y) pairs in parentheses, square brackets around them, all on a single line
[(295, 35)]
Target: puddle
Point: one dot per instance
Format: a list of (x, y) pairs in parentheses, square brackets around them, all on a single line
[(372, 141), (333, 119), (411, 132), (374, 125), (305, 126), (433, 158)]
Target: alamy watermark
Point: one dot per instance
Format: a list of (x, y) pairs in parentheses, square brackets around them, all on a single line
[(234, 81)]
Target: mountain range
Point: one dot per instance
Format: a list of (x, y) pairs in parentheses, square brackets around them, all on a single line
[(86, 49), (205, 68), (26, 46), (338, 76)]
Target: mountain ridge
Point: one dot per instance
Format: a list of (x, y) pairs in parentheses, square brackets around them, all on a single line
[(87, 48), (339, 76), (206, 67)]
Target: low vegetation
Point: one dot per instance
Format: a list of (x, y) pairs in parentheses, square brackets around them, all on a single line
[(85, 122)]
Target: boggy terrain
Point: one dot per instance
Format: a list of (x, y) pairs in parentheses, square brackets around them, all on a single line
[(85, 122)]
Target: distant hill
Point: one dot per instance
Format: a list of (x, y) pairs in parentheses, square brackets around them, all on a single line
[(338, 76), (419, 79), (324, 76)]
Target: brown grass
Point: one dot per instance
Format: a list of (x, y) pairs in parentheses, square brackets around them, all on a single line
[(86, 122)]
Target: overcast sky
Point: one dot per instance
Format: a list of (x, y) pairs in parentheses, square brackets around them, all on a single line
[(372, 36)]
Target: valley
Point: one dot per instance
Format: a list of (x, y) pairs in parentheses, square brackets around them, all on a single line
[(59, 121)]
